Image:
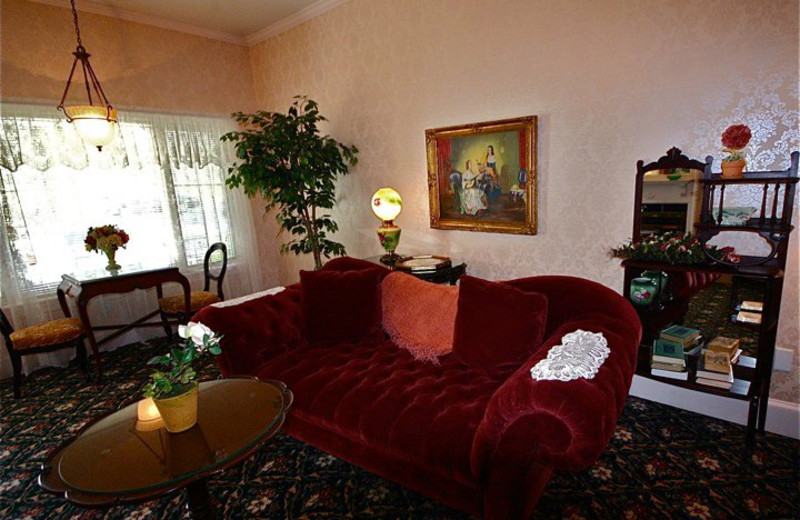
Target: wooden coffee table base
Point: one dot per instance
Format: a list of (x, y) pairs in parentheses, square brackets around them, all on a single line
[(199, 501)]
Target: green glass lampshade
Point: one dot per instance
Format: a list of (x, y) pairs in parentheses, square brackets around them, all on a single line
[(386, 204)]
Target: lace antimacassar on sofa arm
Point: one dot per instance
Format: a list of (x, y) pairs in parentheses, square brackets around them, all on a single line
[(580, 354), (248, 297)]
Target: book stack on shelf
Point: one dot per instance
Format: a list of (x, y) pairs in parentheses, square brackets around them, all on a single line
[(716, 367), (670, 350), (750, 312)]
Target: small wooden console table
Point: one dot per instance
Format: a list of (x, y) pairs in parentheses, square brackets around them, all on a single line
[(448, 275), (85, 288)]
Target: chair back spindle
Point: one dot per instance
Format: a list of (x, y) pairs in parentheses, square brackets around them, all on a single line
[(5, 326), (217, 276)]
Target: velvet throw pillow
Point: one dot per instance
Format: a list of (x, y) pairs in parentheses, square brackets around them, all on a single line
[(497, 325), (419, 316), (340, 305)]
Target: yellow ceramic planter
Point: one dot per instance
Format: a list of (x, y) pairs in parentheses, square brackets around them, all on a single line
[(179, 413)]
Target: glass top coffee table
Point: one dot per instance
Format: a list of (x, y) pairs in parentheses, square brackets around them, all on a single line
[(119, 459)]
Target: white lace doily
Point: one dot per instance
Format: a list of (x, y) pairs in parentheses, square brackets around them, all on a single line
[(580, 354)]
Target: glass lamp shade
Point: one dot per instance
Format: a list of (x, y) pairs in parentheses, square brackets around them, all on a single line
[(95, 124), (386, 204)]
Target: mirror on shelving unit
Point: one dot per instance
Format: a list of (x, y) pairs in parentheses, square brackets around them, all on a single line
[(668, 194), (671, 201)]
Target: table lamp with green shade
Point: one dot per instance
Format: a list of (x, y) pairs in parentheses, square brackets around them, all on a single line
[(387, 204)]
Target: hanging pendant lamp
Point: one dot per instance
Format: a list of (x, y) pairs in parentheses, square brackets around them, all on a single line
[(95, 123)]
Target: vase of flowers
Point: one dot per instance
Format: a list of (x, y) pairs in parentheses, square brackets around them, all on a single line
[(734, 139), (174, 388), (106, 239)]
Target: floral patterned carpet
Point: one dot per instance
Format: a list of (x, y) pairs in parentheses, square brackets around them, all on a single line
[(662, 463)]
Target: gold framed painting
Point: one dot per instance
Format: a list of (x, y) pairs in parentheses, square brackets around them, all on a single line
[(482, 176)]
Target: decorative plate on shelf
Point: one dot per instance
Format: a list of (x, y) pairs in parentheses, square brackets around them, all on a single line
[(423, 263), (736, 216)]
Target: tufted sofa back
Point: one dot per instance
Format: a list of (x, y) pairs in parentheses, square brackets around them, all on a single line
[(571, 299), (256, 330), (277, 320)]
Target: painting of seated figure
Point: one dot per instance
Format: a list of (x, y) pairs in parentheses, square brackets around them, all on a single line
[(482, 176)]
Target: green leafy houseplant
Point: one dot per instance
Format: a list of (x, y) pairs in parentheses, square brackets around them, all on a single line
[(178, 376), (285, 159)]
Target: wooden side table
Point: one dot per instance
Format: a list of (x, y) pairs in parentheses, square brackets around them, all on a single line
[(85, 288), (447, 275), (116, 459)]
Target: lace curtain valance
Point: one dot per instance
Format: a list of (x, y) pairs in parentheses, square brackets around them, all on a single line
[(39, 136)]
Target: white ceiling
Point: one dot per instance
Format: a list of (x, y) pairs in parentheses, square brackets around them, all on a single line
[(238, 21)]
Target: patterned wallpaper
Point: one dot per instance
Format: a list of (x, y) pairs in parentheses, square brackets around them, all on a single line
[(139, 66), (612, 82)]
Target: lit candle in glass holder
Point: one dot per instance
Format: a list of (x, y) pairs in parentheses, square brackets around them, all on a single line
[(147, 416)]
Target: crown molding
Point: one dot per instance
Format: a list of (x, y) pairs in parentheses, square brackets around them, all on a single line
[(275, 29), (293, 20), (155, 21)]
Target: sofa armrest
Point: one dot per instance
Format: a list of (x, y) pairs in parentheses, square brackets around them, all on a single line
[(558, 424), (256, 330), (532, 427)]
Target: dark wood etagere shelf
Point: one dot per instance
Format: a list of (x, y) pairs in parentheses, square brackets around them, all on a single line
[(772, 222)]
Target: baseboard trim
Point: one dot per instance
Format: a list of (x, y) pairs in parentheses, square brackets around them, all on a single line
[(783, 417), (783, 359)]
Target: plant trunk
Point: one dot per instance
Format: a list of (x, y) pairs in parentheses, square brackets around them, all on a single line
[(315, 240), (317, 259), (312, 236)]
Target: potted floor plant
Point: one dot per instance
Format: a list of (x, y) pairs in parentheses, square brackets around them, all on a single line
[(173, 388), (284, 158)]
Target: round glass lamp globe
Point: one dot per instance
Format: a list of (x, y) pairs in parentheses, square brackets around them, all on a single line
[(94, 124), (386, 204)]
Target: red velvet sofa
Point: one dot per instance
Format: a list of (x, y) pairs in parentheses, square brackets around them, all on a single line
[(485, 444)]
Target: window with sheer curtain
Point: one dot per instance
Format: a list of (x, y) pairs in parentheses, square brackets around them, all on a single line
[(162, 180)]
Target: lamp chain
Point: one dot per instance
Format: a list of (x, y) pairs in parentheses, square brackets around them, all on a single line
[(75, 19)]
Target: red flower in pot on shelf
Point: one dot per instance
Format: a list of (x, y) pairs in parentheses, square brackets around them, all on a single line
[(734, 139)]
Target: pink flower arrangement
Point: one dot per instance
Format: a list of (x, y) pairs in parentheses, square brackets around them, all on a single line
[(734, 139), (675, 249)]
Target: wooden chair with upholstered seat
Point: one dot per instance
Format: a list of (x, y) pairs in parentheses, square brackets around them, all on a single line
[(173, 306), (45, 337)]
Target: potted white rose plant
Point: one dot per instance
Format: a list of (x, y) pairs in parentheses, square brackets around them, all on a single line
[(174, 388)]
